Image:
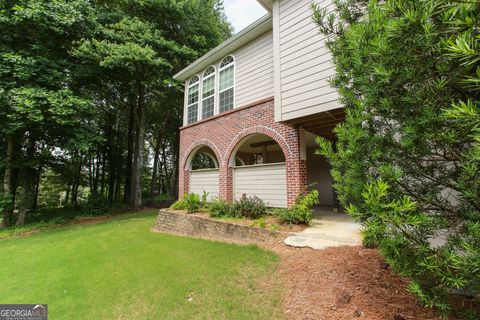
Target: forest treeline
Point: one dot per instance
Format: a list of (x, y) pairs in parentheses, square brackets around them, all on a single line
[(89, 110)]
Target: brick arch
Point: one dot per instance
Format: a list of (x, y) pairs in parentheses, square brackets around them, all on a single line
[(287, 152), (201, 143)]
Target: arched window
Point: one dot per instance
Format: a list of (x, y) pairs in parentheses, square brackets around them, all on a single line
[(192, 107), (208, 92), (226, 84)]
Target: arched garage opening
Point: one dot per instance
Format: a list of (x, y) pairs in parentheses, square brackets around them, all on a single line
[(203, 166), (258, 163)]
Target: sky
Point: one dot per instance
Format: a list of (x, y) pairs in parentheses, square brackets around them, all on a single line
[(242, 13)]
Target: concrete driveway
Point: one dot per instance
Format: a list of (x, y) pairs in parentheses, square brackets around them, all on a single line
[(330, 230)]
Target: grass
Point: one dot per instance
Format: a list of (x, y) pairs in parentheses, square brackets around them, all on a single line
[(120, 269), (49, 218)]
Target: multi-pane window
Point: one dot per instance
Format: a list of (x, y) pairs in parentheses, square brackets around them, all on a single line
[(226, 82), (208, 92), (192, 107)]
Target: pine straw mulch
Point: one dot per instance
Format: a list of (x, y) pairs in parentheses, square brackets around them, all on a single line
[(344, 283)]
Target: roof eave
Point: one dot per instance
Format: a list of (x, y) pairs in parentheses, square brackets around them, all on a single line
[(236, 41), (267, 4)]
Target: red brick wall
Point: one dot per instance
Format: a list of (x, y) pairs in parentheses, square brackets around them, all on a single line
[(224, 132)]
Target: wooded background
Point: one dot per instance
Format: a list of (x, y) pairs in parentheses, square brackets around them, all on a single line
[(88, 106)]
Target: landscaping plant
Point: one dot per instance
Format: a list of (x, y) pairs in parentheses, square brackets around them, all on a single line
[(96, 205), (246, 207), (406, 162), (249, 207), (219, 208), (301, 212), (190, 202)]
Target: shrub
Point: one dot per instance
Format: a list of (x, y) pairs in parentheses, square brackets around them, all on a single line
[(204, 199), (406, 161), (96, 205), (179, 205), (190, 202), (246, 207), (219, 208), (261, 223), (249, 207), (302, 211), (274, 227)]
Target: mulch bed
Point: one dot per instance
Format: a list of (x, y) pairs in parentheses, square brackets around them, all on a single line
[(344, 283)]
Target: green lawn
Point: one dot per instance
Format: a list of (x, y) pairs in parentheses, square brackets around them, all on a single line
[(119, 269)]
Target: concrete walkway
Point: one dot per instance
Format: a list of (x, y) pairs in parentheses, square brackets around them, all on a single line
[(331, 230)]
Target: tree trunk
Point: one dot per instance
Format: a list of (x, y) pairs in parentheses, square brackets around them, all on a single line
[(67, 194), (102, 178), (155, 167), (111, 164), (136, 185), (8, 184), (29, 182), (76, 184), (90, 173), (22, 216), (37, 187), (128, 167)]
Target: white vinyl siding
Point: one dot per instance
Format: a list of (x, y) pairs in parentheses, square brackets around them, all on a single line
[(254, 71), (305, 62), (205, 180), (267, 181)]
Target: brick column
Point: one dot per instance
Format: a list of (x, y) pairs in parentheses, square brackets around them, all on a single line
[(296, 179), (183, 182), (226, 182)]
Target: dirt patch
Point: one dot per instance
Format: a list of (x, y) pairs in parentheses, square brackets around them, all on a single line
[(88, 220), (344, 283)]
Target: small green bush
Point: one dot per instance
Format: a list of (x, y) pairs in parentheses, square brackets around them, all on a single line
[(302, 211), (179, 205), (96, 205), (261, 223), (246, 207), (190, 202), (274, 227), (249, 207), (204, 200), (219, 209)]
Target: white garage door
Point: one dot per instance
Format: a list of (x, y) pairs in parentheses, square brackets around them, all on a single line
[(205, 180), (266, 181)]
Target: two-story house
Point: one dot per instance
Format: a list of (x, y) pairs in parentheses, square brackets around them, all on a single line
[(254, 105)]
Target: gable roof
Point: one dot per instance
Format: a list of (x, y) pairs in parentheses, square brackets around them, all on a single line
[(233, 43)]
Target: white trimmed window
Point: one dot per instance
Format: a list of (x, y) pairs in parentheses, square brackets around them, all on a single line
[(192, 106), (208, 93), (226, 84)]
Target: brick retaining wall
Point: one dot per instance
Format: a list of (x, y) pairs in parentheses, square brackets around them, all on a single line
[(183, 224)]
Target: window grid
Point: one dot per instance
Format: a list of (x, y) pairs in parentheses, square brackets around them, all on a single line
[(192, 113), (208, 87), (208, 93), (226, 84), (193, 92), (226, 100), (206, 96), (208, 107)]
